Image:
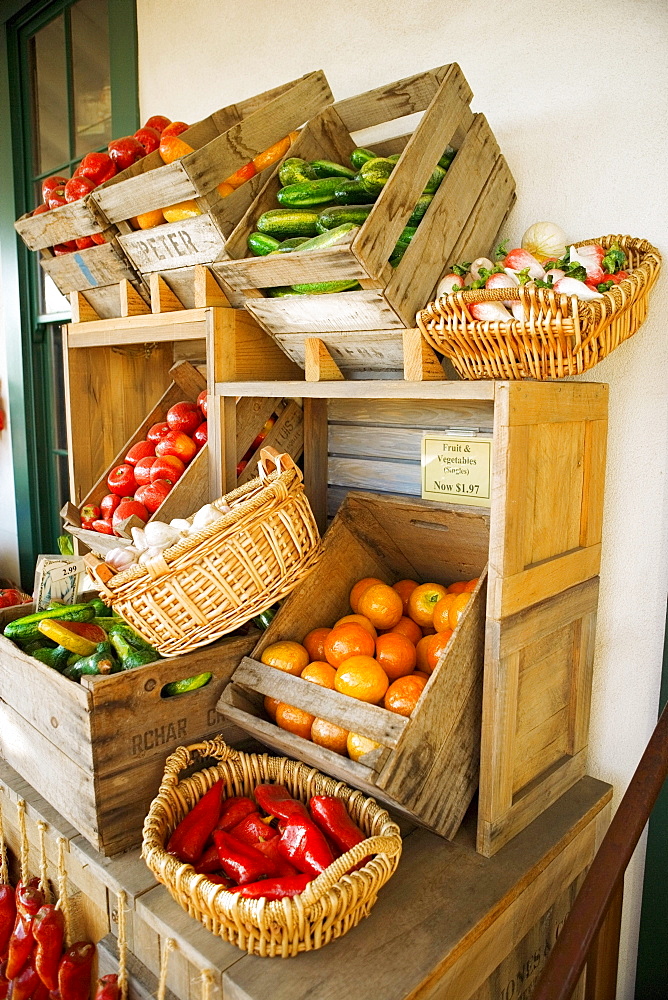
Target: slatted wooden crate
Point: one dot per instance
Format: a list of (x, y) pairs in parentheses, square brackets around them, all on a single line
[(222, 143), (96, 750), (464, 216), (427, 766)]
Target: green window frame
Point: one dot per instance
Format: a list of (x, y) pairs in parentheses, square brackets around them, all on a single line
[(30, 355)]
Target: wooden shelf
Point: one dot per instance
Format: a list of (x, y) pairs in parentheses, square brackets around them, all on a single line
[(186, 324), (368, 389)]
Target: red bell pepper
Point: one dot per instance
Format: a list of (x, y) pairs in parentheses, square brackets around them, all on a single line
[(25, 984), (241, 862), (21, 945), (7, 917), (188, 839), (254, 828), (48, 930), (220, 880), (305, 846), (270, 850), (233, 811), (41, 993), (277, 801), (331, 815), (209, 862), (275, 888), (107, 988), (75, 970), (4, 982)]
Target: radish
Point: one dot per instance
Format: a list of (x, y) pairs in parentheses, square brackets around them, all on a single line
[(450, 283), (491, 311), (590, 258), (479, 263), (571, 286), (555, 273), (506, 280), (518, 260)]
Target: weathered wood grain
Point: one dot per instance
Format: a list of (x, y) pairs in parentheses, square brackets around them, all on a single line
[(366, 309), (370, 350), (84, 269)]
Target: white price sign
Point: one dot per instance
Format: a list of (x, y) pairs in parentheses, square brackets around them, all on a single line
[(457, 470)]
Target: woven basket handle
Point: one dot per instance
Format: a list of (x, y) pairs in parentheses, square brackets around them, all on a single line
[(320, 886), (279, 460), (183, 757)]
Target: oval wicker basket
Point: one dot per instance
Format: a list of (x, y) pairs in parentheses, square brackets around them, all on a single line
[(329, 906), (217, 579), (562, 335)]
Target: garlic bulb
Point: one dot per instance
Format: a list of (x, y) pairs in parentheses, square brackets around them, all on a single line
[(180, 524), (138, 539), (205, 515), (121, 558), (160, 535), (545, 240)]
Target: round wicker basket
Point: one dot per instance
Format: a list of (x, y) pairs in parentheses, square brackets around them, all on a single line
[(329, 906)]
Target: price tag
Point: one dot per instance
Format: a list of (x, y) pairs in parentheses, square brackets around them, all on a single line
[(457, 470)]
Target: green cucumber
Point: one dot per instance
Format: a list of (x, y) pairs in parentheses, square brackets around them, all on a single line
[(25, 629), (325, 287), (340, 214), (402, 244), (283, 223), (261, 244), (279, 292), (435, 180), (102, 661), (327, 168), (420, 209), (328, 238), (294, 170), (56, 658), (447, 158), (308, 193), (394, 158), (353, 192), (361, 155), (287, 246), (187, 684), (374, 174), (102, 610)]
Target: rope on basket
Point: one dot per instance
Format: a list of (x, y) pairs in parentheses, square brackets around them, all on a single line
[(4, 871), (207, 983), (23, 834), (63, 903), (43, 863), (122, 945), (168, 946)]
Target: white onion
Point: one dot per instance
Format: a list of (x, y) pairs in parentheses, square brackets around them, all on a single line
[(545, 240)]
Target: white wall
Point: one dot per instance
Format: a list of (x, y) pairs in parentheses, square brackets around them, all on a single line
[(576, 93)]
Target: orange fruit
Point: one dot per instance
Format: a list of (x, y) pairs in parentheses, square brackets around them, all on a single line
[(404, 589), (172, 148), (288, 656), (359, 589), (326, 734), (457, 587), (403, 694), (294, 720), (314, 643), (435, 647), (442, 612), (423, 600), (421, 654), (420, 673), (381, 605), (409, 628), (319, 672), (471, 585), (359, 745), (363, 678), (361, 620), (396, 654), (270, 706), (147, 220), (457, 609), (348, 640), (428, 631)]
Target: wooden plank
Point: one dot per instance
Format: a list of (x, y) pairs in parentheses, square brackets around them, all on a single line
[(185, 325), (559, 402), (388, 442), (422, 414), (82, 310), (58, 225), (395, 100), (245, 351), (366, 309), (545, 580), (316, 458), (100, 265), (165, 184), (178, 244), (334, 263), (373, 389), (163, 298), (142, 984), (539, 622), (131, 302), (287, 435), (190, 492), (251, 415), (421, 363), (319, 365), (371, 474), (365, 350), (593, 478)]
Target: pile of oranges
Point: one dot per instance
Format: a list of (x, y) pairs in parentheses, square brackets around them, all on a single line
[(383, 653)]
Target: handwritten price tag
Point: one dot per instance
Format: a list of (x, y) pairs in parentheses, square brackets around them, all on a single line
[(457, 470)]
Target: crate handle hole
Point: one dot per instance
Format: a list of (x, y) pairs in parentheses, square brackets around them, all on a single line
[(189, 686), (432, 525)]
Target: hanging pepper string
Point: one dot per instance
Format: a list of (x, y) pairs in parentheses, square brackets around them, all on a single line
[(25, 847), (43, 864), (164, 958), (207, 984), (63, 901), (4, 871), (122, 945)]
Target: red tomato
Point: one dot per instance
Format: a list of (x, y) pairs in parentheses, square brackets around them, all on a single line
[(177, 443), (200, 436), (121, 480), (153, 494), (143, 470), (202, 402), (109, 504), (143, 449), (157, 432), (84, 242), (56, 198), (184, 416), (126, 151), (129, 508), (97, 167), (174, 128), (158, 122), (167, 467), (148, 137), (78, 187), (52, 184), (104, 526)]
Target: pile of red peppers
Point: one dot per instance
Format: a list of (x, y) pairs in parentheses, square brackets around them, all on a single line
[(268, 846), (34, 963)]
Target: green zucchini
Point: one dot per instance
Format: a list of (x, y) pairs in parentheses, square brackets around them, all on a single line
[(320, 192), (283, 223), (294, 170), (420, 209), (102, 661), (325, 287), (339, 214), (435, 180), (102, 610), (131, 656), (25, 629), (132, 638), (353, 192), (361, 155), (44, 656), (265, 618), (447, 158), (327, 168), (374, 174), (328, 238), (261, 244)]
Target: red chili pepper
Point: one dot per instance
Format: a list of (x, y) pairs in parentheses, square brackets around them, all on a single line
[(304, 845), (75, 970), (270, 850), (331, 815), (48, 930), (25, 984), (41, 993), (254, 828), (233, 811), (21, 945), (4, 982), (188, 840), (276, 800), (276, 888), (107, 988), (7, 917), (29, 899), (241, 862)]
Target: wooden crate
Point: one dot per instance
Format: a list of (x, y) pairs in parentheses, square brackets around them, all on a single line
[(548, 461), (222, 143), (96, 750), (142, 984), (428, 765), (464, 216), (449, 925)]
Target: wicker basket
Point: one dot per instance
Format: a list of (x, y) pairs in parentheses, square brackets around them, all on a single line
[(217, 579), (329, 906), (562, 335)]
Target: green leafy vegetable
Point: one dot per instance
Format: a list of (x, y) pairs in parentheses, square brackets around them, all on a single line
[(614, 260)]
